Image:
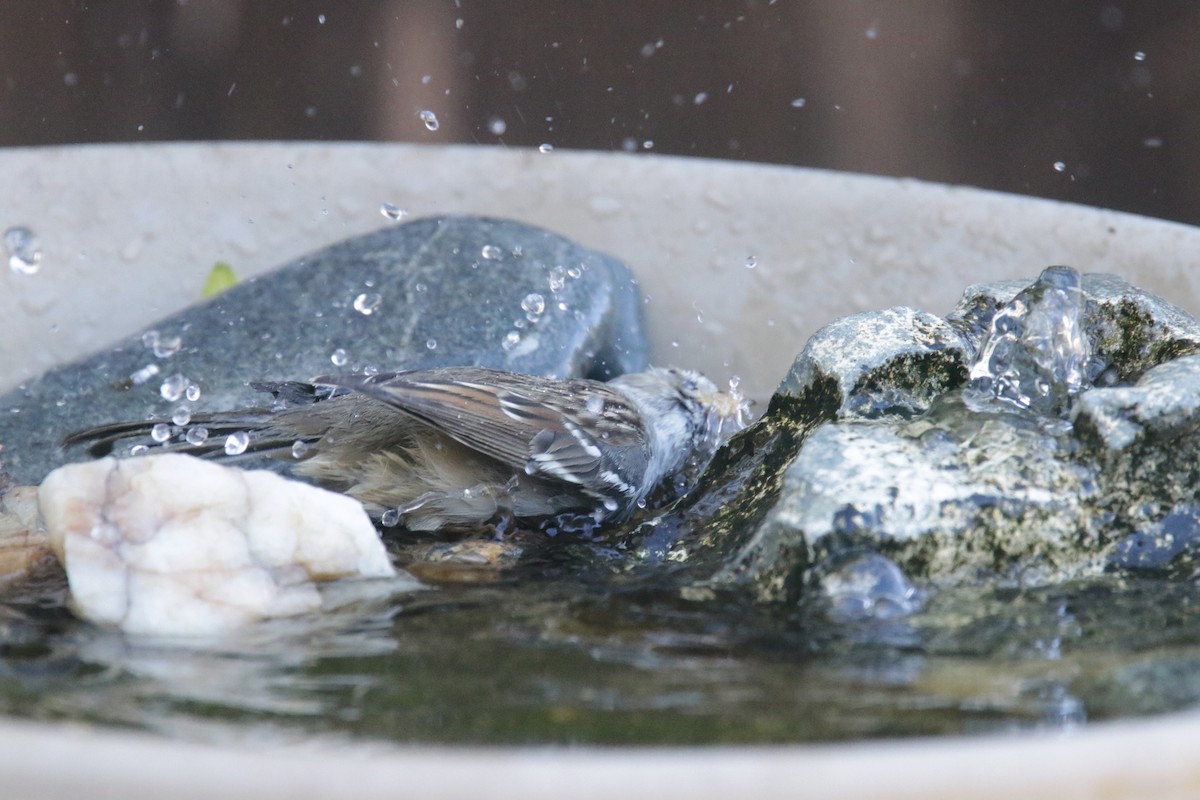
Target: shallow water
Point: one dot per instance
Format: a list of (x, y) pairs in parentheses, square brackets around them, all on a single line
[(563, 655)]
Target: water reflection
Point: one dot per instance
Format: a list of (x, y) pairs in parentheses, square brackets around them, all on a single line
[(547, 659)]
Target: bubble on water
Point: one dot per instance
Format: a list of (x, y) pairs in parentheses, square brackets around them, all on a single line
[(575, 272), (24, 250), (420, 288), (429, 118), (196, 435), (534, 305), (611, 504), (545, 147), (144, 374), (299, 448), (173, 387), (160, 432), (511, 340), (799, 102), (181, 416), (390, 518), (1060, 166), (193, 392), (497, 126), (491, 252), (368, 303), (236, 443), (392, 211), (338, 357), (751, 262), (431, 344)]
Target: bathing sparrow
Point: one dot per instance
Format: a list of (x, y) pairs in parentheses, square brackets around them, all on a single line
[(460, 446)]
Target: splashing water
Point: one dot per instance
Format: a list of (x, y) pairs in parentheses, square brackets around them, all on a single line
[(1036, 355)]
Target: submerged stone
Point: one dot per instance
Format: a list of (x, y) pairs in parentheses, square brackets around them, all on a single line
[(433, 300), (1080, 425)]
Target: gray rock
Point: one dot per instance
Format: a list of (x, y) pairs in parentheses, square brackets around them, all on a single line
[(893, 361), (876, 443), (433, 292)]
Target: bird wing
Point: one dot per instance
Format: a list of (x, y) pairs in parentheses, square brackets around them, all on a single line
[(549, 428)]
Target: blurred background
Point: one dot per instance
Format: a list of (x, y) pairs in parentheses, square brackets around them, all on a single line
[(1091, 102)]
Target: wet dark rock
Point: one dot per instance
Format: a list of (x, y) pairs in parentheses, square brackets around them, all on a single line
[(439, 291), (947, 446)]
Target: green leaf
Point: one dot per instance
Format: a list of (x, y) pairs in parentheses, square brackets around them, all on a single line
[(219, 279)]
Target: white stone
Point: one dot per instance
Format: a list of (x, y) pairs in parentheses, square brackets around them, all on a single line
[(173, 545)]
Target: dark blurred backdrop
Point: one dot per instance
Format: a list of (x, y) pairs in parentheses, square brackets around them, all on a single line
[(1093, 102)]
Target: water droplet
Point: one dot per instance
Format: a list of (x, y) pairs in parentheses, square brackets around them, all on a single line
[(751, 262), (575, 272), (497, 126), (193, 392), (557, 279), (392, 212), (430, 119), (160, 432), (611, 504), (320, 19), (24, 250), (545, 147), (799, 102), (338, 357), (367, 303), (196, 435), (299, 448), (166, 346), (1152, 142), (236, 443), (491, 252), (390, 518), (629, 144), (144, 374), (70, 79), (173, 387), (458, 23), (872, 31), (700, 98), (420, 288), (1139, 56), (138, 449), (511, 340), (595, 404), (181, 416), (1059, 166), (431, 344), (734, 382), (534, 305)]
